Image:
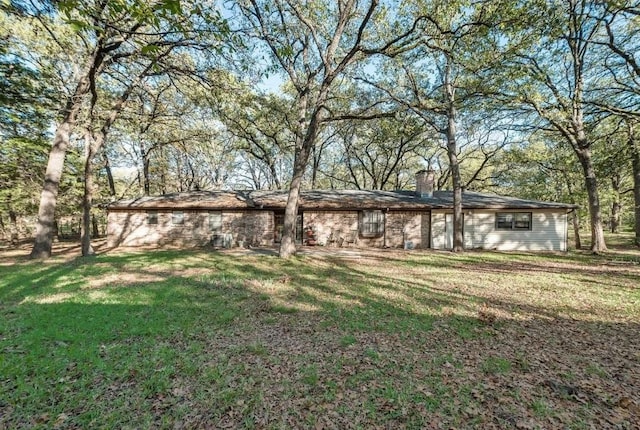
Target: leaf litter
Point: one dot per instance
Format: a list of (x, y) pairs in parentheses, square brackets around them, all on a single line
[(341, 343)]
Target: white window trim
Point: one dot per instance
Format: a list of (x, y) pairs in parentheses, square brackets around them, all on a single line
[(177, 217), (218, 229), (513, 221)]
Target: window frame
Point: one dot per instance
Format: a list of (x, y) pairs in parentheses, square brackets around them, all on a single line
[(213, 229), (379, 223), (501, 225), (152, 217), (177, 217)]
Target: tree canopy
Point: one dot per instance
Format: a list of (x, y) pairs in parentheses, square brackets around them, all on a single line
[(101, 100)]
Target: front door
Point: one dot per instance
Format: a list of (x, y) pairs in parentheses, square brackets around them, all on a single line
[(279, 227), (278, 221)]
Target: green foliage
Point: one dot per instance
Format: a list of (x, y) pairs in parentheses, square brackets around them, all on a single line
[(21, 170), (26, 93), (200, 120)]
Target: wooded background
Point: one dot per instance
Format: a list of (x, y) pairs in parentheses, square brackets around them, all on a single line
[(103, 100)]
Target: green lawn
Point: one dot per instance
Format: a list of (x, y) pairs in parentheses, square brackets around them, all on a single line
[(192, 339)]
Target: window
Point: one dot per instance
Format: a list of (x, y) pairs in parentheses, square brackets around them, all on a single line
[(215, 221), (177, 217), (522, 221), (513, 221), (371, 223), (152, 217)]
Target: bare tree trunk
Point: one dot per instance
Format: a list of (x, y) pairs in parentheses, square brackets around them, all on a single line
[(145, 170), (287, 243), (635, 164), (146, 163), (107, 167), (305, 139), (458, 234), (163, 177), (454, 165), (314, 168), (575, 218), (591, 184), (13, 227), (576, 230), (93, 144), (49, 197), (87, 197), (95, 231), (615, 205), (274, 175), (56, 230), (576, 133)]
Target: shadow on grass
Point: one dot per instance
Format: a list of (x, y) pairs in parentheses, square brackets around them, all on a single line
[(209, 333)]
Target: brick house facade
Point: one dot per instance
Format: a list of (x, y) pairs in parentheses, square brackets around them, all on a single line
[(410, 219)]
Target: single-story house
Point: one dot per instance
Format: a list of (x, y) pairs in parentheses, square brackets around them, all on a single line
[(411, 219)]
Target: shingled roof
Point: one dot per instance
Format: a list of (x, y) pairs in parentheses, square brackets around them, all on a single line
[(328, 200)]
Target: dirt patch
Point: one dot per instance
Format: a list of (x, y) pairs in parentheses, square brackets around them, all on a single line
[(62, 249)]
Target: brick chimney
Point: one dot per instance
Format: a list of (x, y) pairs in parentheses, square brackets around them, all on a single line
[(424, 183)]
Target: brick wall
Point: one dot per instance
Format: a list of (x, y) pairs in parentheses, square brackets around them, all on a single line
[(341, 223), (407, 227), (256, 228), (399, 227), (245, 227), (253, 228)]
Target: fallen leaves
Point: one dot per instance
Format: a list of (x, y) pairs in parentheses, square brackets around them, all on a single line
[(396, 341)]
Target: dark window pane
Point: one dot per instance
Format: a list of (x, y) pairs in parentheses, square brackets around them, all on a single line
[(152, 217), (513, 221), (504, 221), (522, 221), (372, 224)]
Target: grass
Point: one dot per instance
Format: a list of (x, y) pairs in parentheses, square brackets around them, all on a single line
[(496, 365), (540, 408), (184, 339)]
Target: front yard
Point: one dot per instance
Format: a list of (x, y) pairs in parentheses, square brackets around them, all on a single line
[(197, 339)]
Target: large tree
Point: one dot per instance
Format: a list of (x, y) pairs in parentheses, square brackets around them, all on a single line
[(314, 44), (551, 80), (114, 34), (619, 91), (441, 78)]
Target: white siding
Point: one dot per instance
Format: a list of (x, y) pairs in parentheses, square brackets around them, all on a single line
[(438, 230), (548, 232)]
